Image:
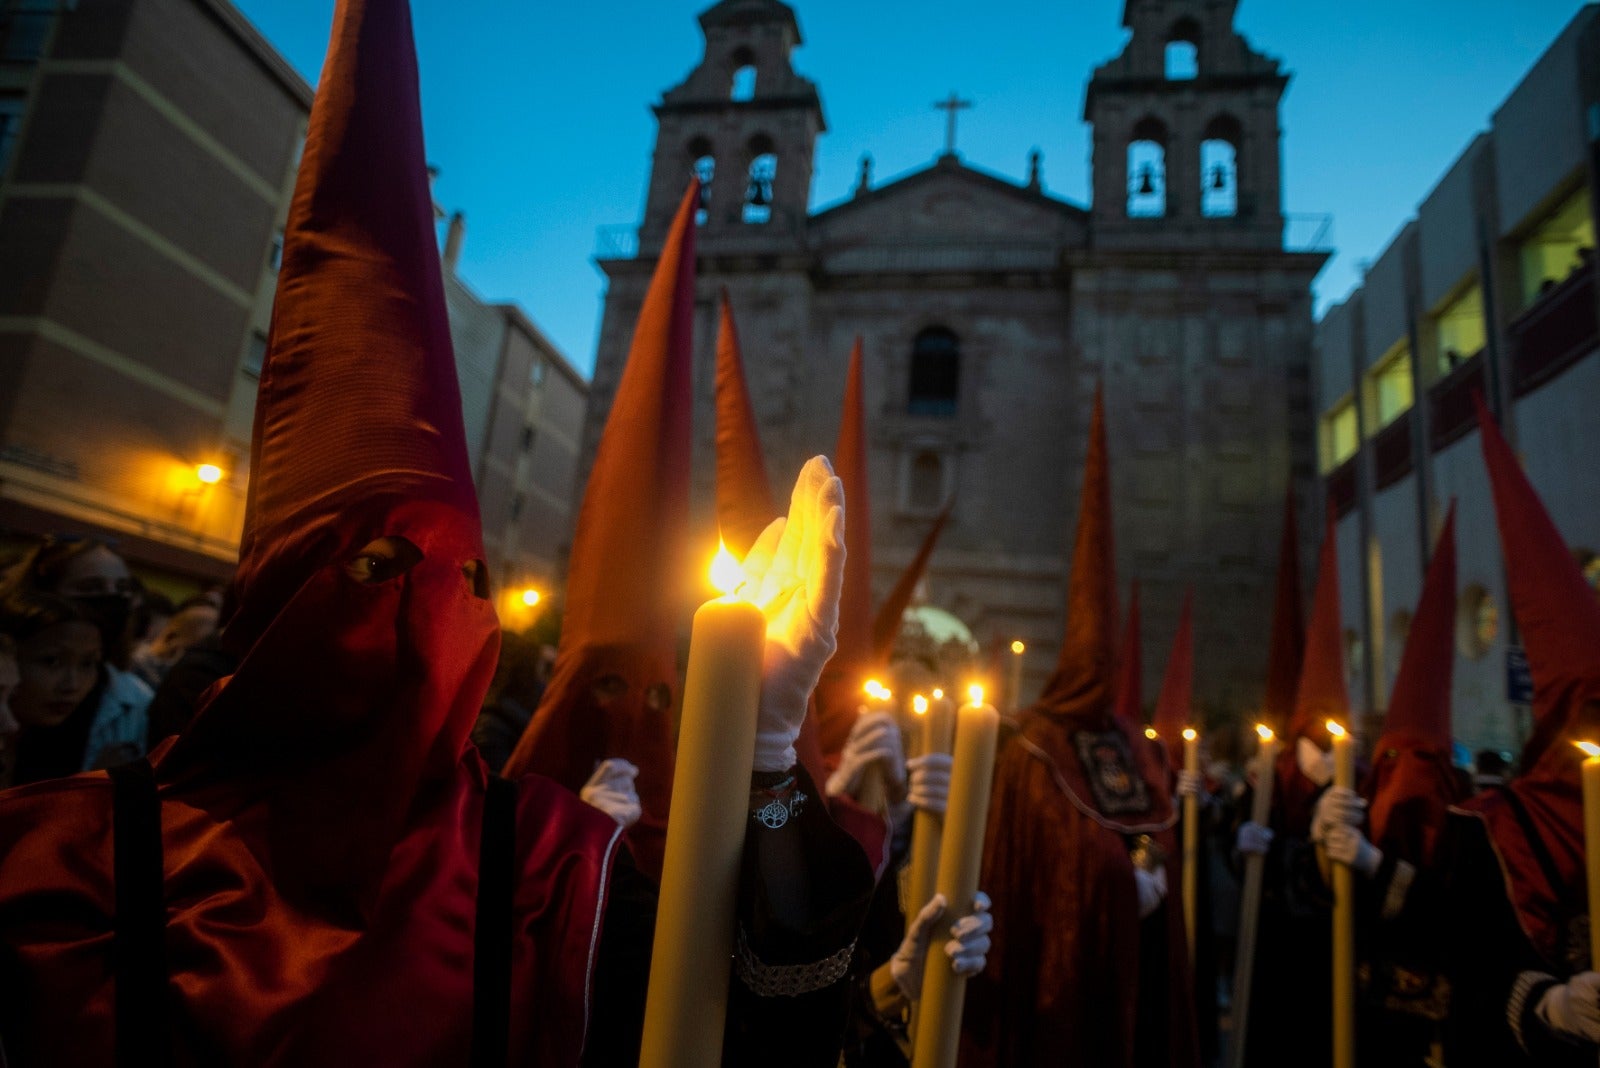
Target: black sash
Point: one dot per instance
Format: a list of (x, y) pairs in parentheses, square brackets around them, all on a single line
[(138, 942)]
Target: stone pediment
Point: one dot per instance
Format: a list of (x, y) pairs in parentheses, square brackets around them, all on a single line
[(948, 203)]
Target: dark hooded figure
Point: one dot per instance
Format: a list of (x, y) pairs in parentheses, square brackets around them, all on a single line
[(1089, 963), (1524, 990), (320, 870)]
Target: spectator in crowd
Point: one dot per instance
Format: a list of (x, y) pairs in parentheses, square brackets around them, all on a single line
[(58, 672), (191, 623)]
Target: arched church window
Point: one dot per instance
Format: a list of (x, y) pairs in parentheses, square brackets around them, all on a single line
[(1183, 51), (935, 373), (758, 190), (1147, 170), (1219, 168), (926, 490), (704, 166), (744, 83)]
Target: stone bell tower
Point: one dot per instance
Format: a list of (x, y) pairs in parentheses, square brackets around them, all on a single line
[(746, 123), (1186, 134)]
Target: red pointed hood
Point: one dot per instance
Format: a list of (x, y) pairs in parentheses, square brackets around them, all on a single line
[(358, 437), (1130, 668), (886, 624), (615, 681), (852, 661), (1081, 686), (744, 495), (1174, 708), (1412, 782), (1560, 624), (1287, 642)]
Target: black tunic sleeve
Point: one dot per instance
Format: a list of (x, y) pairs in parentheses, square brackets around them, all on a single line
[(803, 895)]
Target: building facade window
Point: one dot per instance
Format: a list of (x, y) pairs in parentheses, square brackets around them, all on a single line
[(758, 192), (275, 253), (704, 166), (1459, 328), (1339, 438), (255, 354), (1181, 61), (1219, 167), (536, 372), (935, 386), (528, 435), (1560, 244), (1390, 389), (744, 83), (1147, 170)]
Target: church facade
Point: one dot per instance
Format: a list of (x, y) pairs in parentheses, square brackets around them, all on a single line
[(989, 310)]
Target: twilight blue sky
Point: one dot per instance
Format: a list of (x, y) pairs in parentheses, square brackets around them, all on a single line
[(537, 113)]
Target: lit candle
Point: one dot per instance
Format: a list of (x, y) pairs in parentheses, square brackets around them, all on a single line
[(966, 819), (1591, 842), (687, 998), (1250, 897), (1017, 649), (1191, 837), (1344, 918), (873, 794), (938, 722)]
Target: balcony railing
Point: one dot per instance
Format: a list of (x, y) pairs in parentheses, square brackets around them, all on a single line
[(1391, 452), (1450, 407), (1562, 326), (1341, 485)]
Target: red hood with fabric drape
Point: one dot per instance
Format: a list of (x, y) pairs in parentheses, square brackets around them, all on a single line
[(615, 682), (1286, 645), (1559, 619), (744, 495), (320, 818), (1412, 783)]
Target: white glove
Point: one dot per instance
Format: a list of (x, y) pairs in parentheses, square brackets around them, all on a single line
[(1152, 887), (1350, 847), (930, 781), (874, 739), (1253, 838), (1572, 1009), (1316, 763), (610, 789), (1190, 784), (1338, 805), (795, 572), (968, 948)]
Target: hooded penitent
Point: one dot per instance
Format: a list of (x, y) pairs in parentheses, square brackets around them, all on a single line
[(744, 496), (839, 693), (1412, 783), (1560, 624), (1321, 694), (1174, 706), (320, 819), (1130, 668), (1072, 965), (615, 681), (1286, 645), (886, 623)]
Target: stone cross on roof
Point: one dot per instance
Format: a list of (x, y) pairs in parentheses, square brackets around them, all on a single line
[(950, 107)]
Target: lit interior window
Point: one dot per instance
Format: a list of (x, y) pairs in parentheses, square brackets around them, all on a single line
[(1459, 326), (1340, 437), (1557, 247), (1389, 386)]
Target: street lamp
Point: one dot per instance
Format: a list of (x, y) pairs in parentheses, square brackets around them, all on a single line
[(209, 474)]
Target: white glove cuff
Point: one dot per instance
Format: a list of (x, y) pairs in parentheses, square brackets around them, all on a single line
[(775, 751), (1526, 985)]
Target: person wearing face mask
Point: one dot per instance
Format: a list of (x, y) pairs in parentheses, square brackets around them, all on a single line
[(91, 575), (1290, 1021), (58, 667), (320, 870)]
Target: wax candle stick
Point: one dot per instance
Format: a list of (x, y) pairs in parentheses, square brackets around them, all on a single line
[(873, 794), (687, 997), (937, 720), (960, 860), (1591, 843), (1191, 838), (1250, 897), (1344, 918)]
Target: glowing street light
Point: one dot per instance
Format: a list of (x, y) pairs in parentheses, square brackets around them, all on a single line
[(210, 474)]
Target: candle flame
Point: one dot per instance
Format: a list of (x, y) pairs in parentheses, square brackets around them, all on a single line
[(877, 690), (1018, 648), (938, 695), (1336, 729), (1589, 748), (975, 692), (919, 705), (727, 575), (1150, 733), (1264, 731), (1189, 734)]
